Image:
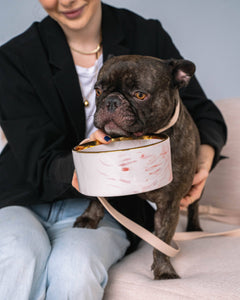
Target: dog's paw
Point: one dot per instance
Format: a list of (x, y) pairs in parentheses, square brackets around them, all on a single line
[(85, 222), (162, 273), (164, 276)]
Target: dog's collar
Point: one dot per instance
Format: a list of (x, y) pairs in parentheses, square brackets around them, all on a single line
[(173, 119)]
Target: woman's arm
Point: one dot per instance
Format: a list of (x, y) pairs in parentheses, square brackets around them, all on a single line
[(41, 150)]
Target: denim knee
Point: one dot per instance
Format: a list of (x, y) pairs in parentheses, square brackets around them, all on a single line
[(75, 272), (25, 248)]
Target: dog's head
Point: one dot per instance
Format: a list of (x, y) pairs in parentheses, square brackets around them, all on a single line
[(136, 95)]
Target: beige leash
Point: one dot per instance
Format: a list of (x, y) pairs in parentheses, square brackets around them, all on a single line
[(173, 119), (220, 214), (179, 236)]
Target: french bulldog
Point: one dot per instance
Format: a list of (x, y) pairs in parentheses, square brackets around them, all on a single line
[(138, 95)]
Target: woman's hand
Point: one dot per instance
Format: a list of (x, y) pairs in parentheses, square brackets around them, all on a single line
[(98, 135), (75, 181), (205, 159)]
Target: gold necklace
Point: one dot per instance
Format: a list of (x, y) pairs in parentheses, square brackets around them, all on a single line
[(94, 51), (87, 53)]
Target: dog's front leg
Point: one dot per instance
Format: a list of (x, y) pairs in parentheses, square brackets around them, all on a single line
[(91, 217), (165, 222)]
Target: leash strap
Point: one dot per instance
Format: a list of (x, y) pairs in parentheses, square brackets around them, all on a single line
[(220, 214), (173, 119), (179, 236), (139, 230)]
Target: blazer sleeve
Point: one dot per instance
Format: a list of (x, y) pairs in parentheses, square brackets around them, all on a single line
[(40, 149), (207, 116)]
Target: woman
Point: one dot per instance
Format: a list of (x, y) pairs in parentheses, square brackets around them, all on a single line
[(46, 108)]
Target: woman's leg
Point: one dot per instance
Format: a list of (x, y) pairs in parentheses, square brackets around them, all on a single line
[(80, 258), (24, 251)]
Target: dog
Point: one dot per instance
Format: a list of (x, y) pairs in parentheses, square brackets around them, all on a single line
[(138, 95)]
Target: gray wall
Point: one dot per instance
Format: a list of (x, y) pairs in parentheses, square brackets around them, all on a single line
[(205, 31)]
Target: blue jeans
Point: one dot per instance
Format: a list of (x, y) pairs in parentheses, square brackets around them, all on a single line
[(43, 257)]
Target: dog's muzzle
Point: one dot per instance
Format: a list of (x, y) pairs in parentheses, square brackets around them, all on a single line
[(112, 103)]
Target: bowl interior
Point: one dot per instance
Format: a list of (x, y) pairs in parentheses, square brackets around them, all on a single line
[(120, 144)]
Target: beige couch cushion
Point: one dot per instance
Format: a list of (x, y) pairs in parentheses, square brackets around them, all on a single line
[(223, 185), (209, 267)]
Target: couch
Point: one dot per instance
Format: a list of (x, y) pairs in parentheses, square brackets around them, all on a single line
[(209, 267)]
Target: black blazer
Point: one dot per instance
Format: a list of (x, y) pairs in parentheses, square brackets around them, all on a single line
[(42, 114)]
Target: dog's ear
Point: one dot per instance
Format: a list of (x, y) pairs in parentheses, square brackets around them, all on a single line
[(182, 70)]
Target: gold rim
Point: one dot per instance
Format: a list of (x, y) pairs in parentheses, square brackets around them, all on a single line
[(81, 148)]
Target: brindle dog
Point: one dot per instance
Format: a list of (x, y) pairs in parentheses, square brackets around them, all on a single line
[(138, 95)]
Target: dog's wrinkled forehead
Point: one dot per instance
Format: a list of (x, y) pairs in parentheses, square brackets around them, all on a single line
[(133, 72)]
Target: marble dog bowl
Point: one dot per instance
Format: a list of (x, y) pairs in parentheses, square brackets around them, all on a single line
[(125, 166)]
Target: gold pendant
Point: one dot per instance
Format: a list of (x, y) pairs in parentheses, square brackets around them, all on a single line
[(86, 103)]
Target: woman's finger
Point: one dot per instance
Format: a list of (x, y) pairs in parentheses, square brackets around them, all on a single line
[(100, 136), (200, 176)]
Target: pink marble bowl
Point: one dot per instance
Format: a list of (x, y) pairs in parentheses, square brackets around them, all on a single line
[(125, 166)]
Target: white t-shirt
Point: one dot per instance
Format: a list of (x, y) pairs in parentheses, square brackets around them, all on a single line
[(87, 78)]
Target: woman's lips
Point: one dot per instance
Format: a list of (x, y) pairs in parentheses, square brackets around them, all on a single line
[(73, 14)]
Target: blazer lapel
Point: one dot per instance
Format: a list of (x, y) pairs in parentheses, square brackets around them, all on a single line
[(114, 42), (64, 75), (67, 83)]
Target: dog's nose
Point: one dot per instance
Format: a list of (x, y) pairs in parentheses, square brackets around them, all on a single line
[(112, 103)]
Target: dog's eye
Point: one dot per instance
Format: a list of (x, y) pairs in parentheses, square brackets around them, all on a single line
[(140, 95), (98, 92)]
